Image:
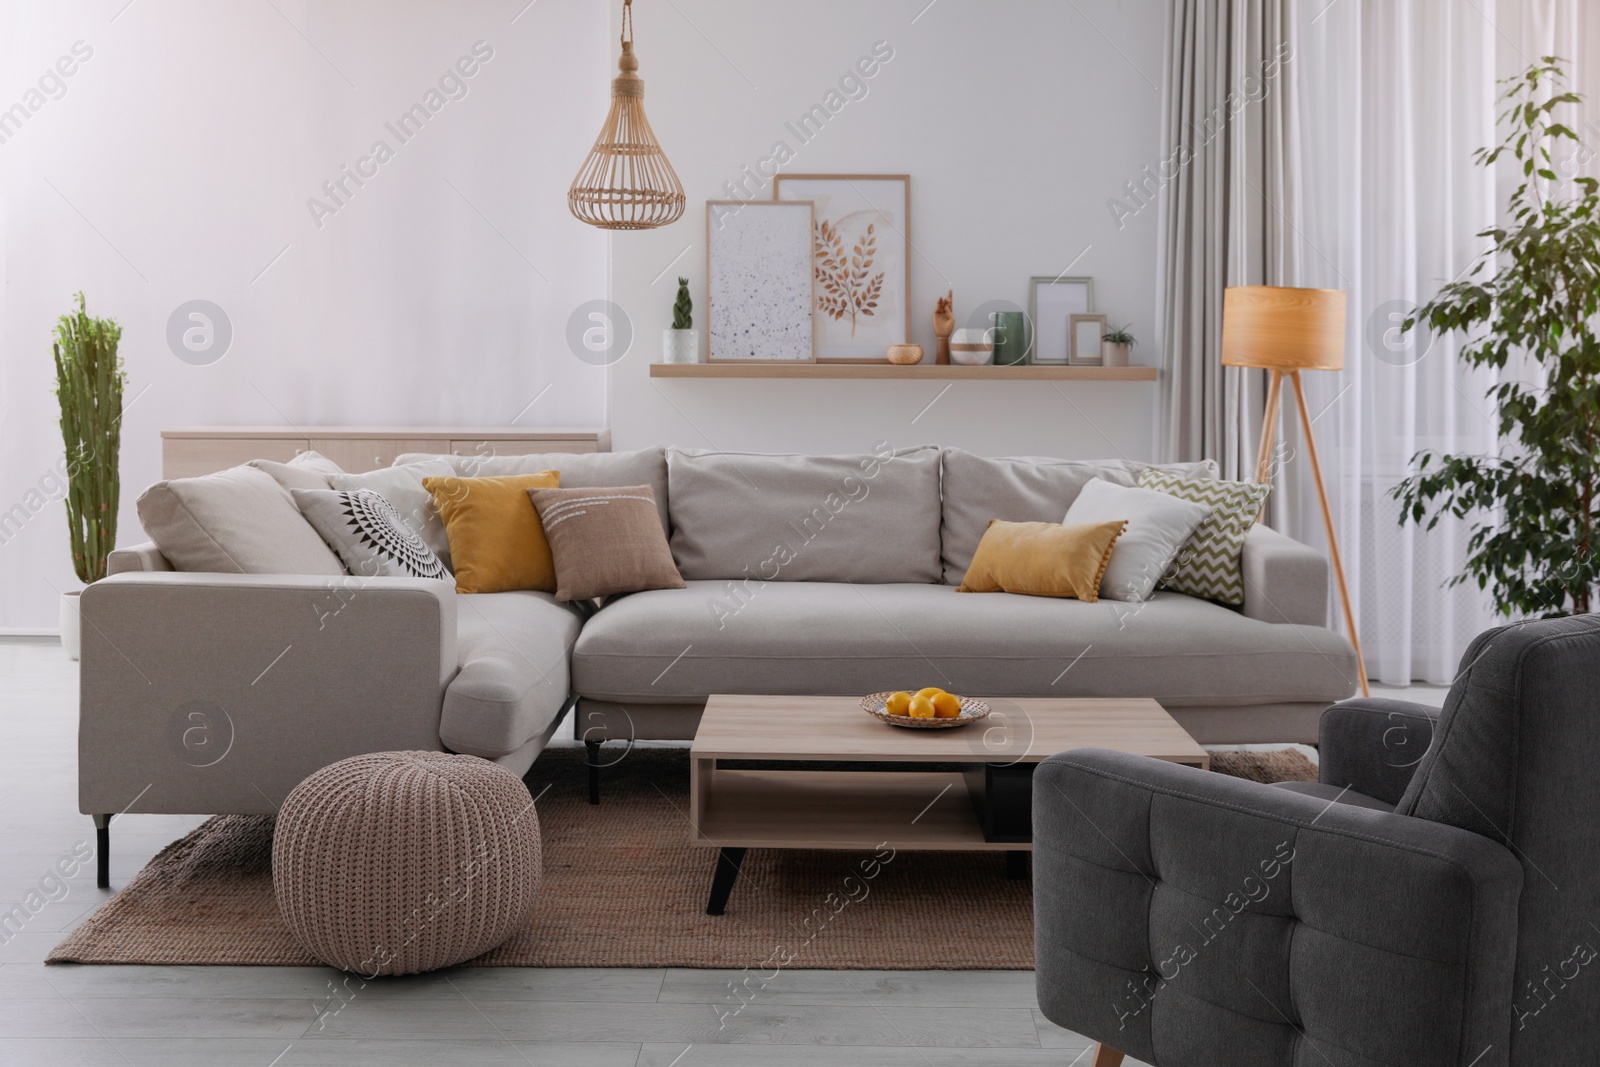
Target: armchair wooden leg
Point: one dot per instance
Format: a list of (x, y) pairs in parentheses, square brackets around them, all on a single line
[(1106, 1056)]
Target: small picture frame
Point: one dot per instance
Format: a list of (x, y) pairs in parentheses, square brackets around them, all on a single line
[(1086, 332), (1052, 301)]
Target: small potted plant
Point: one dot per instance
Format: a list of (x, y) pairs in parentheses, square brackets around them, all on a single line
[(1114, 346), (681, 344), (89, 384)]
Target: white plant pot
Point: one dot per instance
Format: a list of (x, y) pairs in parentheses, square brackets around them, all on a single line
[(972, 347), (1113, 354), (680, 346), (71, 625)]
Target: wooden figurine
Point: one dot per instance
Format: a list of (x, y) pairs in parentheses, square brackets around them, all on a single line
[(944, 323)]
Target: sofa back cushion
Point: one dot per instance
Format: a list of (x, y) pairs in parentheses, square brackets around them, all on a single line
[(864, 518), (1021, 489), (237, 521), (578, 470)]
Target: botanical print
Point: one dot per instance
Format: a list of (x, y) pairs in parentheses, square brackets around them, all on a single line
[(859, 241), (845, 283)]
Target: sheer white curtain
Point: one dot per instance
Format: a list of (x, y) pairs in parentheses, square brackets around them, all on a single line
[(1395, 97)]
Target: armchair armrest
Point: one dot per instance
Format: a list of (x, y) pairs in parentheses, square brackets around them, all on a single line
[(1183, 916), (1373, 745), (218, 693), (1284, 580)]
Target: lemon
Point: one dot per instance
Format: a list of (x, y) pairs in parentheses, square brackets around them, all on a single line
[(946, 706), (921, 707), (930, 692), (898, 703)]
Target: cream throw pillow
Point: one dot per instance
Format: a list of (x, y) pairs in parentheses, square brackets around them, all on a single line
[(1158, 526)]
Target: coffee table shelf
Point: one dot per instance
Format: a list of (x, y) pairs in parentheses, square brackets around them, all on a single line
[(734, 808), (842, 809)]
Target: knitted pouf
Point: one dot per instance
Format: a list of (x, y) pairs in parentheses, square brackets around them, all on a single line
[(399, 862)]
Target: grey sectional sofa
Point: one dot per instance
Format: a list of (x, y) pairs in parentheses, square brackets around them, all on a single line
[(217, 693)]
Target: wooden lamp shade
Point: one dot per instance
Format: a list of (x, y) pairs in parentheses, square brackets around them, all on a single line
[(626, 183), (1284, 329)]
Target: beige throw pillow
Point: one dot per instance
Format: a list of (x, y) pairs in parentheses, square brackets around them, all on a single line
[(605, 541), (237, 521)]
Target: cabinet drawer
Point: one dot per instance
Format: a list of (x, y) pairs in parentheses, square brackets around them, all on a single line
[(522, 448), (190, 457), (359, 454)]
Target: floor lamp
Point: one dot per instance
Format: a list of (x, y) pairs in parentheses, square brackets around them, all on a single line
[(1286, 331)]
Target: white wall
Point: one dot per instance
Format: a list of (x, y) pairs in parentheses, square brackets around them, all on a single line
[(1017, 121), (185, 149)]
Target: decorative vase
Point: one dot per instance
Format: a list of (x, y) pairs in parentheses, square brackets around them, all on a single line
[(905, 355), (71, 625), (1010, 338), (1113, 354), (971, 347), (680, 346)]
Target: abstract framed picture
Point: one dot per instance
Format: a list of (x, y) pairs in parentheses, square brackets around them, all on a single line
[(758, 282), (861, 242), (1052, 303)]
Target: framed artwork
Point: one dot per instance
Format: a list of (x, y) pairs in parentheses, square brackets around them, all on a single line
[(861, 241), (1052, 302), (1087, 332), (758, 282)]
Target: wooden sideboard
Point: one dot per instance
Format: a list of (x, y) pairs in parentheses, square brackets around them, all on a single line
[(207, 449)]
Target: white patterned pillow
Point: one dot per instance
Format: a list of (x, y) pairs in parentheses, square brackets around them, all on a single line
[(367, 534), (1209, 564)]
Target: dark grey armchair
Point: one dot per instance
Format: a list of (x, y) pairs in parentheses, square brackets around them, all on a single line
[(1433, 901)]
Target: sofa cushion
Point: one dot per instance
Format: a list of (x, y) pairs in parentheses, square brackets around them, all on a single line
[(605, 542), (237, 521), (795, 518), (402, 487), (578, 470), (672, 646), (1021, 489), (367, 534), (513, 682), (498, 544), (307, 470)]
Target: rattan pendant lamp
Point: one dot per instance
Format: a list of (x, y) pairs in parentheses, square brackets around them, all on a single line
[(626, 183)]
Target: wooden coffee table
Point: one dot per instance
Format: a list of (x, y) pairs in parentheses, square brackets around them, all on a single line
[(985, 806)]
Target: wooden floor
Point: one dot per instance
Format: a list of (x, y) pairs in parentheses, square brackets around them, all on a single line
[(290, 1017)]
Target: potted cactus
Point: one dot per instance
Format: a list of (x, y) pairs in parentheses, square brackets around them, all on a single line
[(681, 344), (89, 383), (1115, 345)]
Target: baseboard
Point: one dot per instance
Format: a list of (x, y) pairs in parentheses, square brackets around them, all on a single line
[(30, 631)]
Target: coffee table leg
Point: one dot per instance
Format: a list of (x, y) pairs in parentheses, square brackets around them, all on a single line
[(727, 872), (1017, 865)]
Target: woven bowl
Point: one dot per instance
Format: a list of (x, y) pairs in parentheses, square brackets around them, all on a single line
[(905, 354), (876, 705)]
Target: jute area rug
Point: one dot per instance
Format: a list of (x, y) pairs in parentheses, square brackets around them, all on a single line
[(624, 888)]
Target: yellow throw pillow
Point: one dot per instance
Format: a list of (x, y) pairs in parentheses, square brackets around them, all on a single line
[(1040, 559), (496, 540)]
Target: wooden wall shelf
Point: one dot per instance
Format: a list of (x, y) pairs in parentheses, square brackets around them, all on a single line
[(924, 372)]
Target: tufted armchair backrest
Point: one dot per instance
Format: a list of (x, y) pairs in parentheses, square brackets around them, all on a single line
[(1516, 758)]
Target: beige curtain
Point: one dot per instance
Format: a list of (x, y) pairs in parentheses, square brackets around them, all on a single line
[(1228, 211)]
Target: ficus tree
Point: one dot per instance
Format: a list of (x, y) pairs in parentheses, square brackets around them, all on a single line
[(1529, 302)]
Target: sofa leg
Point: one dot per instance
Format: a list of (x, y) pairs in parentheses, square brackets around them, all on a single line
[(1106, 1056), (102, 851), (592, 749)]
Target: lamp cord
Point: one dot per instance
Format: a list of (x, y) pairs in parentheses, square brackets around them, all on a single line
[(627, 21)]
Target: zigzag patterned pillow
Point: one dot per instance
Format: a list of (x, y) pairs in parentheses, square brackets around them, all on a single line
[(1209, 565)]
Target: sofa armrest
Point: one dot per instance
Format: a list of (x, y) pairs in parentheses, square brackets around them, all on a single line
[(142, 557), (1372, 745), (210, 693), (1284, 580), (1182, 915)]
